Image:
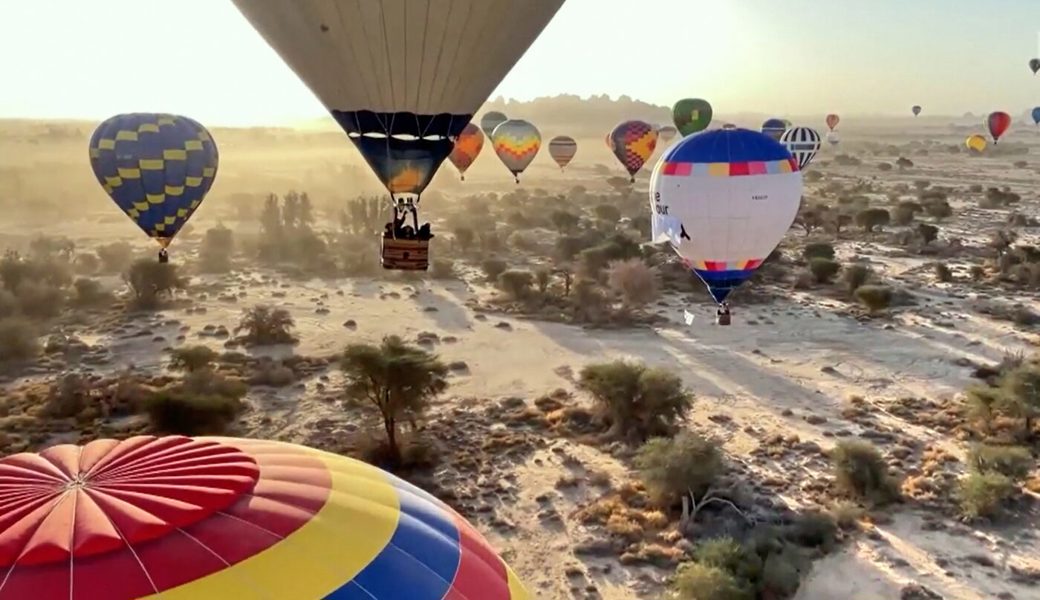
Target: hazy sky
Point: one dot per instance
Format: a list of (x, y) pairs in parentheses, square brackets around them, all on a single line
[(92, 59)]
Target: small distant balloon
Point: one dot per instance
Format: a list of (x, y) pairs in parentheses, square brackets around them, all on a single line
[(774, 128), (803, 143), (562, 149), (516, 143), (976, 143), (633, 143), (691, 115), (666, 133), (916, 110), (1034, 65), (1036, 115), (998, 123), (491, 120), (833, 138), (467, 148), (832, 121)]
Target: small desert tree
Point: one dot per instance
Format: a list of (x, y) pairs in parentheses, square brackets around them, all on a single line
[(516, 283), (823, 270), (928, 233), (398, 379), (150, 280), (818, 250), (639, 401), (563, 221), (217, 247), (872, 218), (192, 359), (686, 465), (265, 325), (464, 237), (634, 281), (1021, 397)]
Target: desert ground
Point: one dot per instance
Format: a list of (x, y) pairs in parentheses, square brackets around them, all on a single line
[(519, 442)]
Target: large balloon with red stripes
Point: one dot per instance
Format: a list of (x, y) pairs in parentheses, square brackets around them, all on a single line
[(182, 518), (724, 199)]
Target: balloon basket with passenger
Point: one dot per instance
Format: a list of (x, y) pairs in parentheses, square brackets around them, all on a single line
[(406, 247)]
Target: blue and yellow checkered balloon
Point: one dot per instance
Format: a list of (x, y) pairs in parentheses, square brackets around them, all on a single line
[(156, 167)]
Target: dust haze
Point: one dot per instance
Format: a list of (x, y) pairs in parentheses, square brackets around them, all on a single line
[(864, 429)]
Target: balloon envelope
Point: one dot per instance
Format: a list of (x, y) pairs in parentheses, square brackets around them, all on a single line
[(403, 82), (832, 121), (633, 142), (467, 148), (491, 120), (774, 128), (1034, 65), (916, 110), (156, 167), (1036, 115), (803, 143), (204, 518), (691, 115), (976, 143), (998, 123), (666, 133), (562, 149), (516, 143), (724, 200)]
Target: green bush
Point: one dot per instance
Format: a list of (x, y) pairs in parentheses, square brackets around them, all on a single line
[(984, 494), (266, 326), (675, 467), (818, 250), (177, 411), (872, 218), (823, 270), (516, 283), (695, 581), (443, 268), (860, 471), (943, 273), (493, 267), (190, 359), (1013, 462), (855, 276), (639, 401), (874, 297)]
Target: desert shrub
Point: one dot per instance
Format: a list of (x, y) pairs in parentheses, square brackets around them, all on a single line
[(856, 276), (904, 163), (873, 218), (977, 272), (680, 466), (181, 412), (115, 257), (694, 581), (607, 212), (818, 250), (40, 299), (568, 246), (905, 212), (191, 359), (265, 325), (564, 222), (634, 281), (67, 397), (18, 341), (874, 297), (1013, 462), (984, 494), (464, 237), (493, 267), (928, 233), (942, 272), (149, 280), (1020, 397), (270, 373), (588, 301), (780, 576), (884, 166), (88, 292), (523, 241), (639, 401), (516, 283), (542, 277), (216, 251), (443, 268), (86, 264), (399, 380), (938, 209), (823, 269), (860, 471)]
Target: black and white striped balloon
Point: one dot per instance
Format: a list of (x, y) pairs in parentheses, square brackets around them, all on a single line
[(803, 143)]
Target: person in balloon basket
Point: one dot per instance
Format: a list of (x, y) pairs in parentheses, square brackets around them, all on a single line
[(722, 314), (164, 256)]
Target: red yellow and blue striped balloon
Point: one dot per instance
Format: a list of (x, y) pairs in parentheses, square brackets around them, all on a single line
[(516, 143), (467, 148), (632, 143), (156, 167), (562, 149), (182, 518)]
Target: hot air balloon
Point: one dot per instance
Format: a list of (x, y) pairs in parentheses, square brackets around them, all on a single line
[(833, 138), (976, 143), (998, 123), (516, 143), (402, 83), (562, 149), (691, 115), (832, 121), (666, 133), (803, 143), (1034, 65), (205, 518), (787, 124), (157, 168), (633, 142), (724, 200), (491, 120), (1036, 115), (467, 147), (609, 142), (774, 128), (916, 110)]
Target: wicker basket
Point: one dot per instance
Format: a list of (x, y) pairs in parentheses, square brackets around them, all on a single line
[(405, 255)]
